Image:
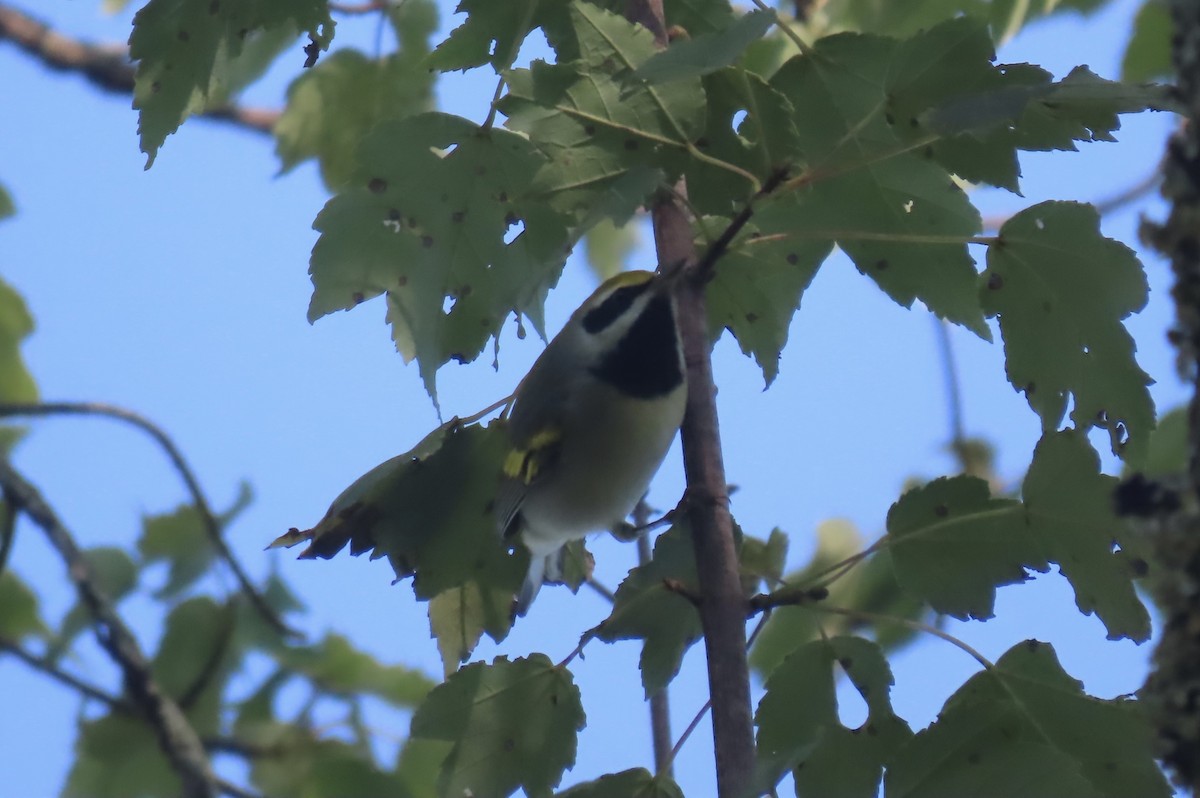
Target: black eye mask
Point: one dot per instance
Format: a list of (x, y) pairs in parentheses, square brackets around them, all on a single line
[(612, 307)]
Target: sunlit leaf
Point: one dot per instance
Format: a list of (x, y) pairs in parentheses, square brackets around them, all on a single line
[(185, 50), (178, 538), (16, 323), (195, 660), (336, 666), (459, 616)]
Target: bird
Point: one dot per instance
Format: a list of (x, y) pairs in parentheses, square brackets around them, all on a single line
[(591, 422)]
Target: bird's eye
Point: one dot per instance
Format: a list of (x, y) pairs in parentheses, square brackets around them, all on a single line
[(613, 306)]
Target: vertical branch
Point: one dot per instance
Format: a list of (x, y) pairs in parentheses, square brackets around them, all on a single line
[(1175, 671), (660, 702), (176, 736), (722, 604)]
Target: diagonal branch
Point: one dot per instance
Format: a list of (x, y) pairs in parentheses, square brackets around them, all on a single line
[(105, 66), (48, 667), (176, 737), (208, 519)]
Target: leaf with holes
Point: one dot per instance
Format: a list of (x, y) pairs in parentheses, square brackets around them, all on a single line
[(1061, 291), (427, 225), (799, 728), (512, 724), (1025, 727), (186, 50), (748, 125), (332, 106), (952, 545), (899, 216), (756, 289)]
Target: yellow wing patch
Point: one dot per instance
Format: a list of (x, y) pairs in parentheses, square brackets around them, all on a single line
[(523, 464)]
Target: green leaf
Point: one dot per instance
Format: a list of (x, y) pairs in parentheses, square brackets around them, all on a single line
[(593, 121), (493, 32), (608, 247), (512, 725), (7, 208), (195, 660), (765, 140), (757, 287), (953, 544), (1167, 449), (308, 767), (117, 756), (419, 765), (422, 510), (760, 562), (1025, 727), (178, 538), (633, 783), (1070, 508), (427, 222), (114, 574), (19, 615), (16, 323), (898, 19), (708, 52), (645, 609), (1061, 291), (900, 217), (335, 666), (459, 616), (186, 50), (1148, 54), (799, 727), (331, 107), (870, 586)]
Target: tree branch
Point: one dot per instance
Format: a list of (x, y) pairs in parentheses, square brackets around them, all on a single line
[(105, 66), (722, 605), (1176, 539), (176, 737), (208, 519), (49, 668), (1103, 206)]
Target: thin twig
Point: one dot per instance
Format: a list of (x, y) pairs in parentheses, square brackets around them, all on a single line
[(8, 529), (601, 589), (176, 737), (212, 664), (911, 624), (208, 519), (1105, 206), (106, 67), (660, 702), (85, 689)]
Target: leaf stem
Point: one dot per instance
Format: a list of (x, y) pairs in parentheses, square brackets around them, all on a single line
[(801, 45), (911, 624)]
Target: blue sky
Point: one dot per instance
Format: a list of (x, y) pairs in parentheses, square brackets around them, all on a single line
[(180, 292)]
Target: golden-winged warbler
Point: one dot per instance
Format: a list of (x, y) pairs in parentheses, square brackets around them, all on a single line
[(591, 422)]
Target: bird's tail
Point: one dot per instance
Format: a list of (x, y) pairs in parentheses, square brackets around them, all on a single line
[(547, 568)]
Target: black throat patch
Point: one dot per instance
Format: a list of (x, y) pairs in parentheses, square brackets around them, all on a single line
[(645, 363)]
